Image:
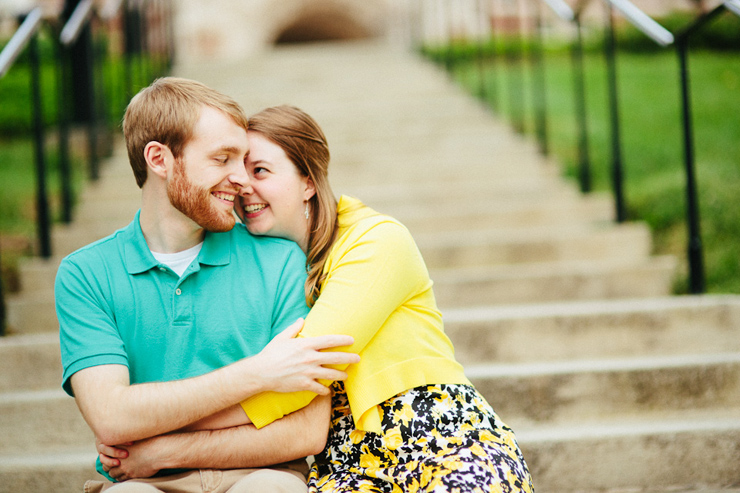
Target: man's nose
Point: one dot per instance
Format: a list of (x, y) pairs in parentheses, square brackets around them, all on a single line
[(239, 176)]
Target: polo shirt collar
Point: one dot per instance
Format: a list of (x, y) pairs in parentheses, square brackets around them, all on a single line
[(138, 257)]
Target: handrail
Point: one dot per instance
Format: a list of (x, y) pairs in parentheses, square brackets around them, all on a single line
[(643, 22), (733, 6), (76, 22), (20, 39), (111, 9), (562, 9)]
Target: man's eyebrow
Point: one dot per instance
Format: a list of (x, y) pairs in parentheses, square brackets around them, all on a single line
[(231, 149)]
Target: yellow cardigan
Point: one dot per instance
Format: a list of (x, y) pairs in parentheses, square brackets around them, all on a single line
[(378, 291)]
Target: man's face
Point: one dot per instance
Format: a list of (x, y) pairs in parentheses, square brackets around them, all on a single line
[(209, 175)]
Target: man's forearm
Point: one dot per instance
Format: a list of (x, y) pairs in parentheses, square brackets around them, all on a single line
[(297, 435), (118, 412)]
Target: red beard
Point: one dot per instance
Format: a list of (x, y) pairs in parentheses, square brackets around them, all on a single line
[(195, 202)]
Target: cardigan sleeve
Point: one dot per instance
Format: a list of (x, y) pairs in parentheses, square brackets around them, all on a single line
[(373, 271)]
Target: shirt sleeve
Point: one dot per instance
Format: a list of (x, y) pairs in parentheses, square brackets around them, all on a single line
[(375, 273), (87, 331)]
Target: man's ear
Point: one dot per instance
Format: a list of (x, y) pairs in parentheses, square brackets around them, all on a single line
[(158, 158), (310, 190)]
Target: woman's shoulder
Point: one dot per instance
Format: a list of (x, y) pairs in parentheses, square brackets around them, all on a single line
[(357, 220)]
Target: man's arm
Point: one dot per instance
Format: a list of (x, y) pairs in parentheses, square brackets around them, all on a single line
[(119, 412), (295, 436)]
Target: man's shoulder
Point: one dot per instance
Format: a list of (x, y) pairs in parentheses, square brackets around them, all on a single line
[(99, 249), (103, 257)]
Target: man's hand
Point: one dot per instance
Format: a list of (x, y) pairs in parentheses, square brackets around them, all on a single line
[(288, 364), (131, 460)]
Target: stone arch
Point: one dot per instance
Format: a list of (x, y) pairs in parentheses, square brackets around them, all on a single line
[(318, 26), (329, 20)]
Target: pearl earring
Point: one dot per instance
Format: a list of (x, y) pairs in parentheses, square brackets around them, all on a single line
[(306, 211)]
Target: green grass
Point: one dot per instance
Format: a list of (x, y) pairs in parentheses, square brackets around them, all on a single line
[(652, 145)]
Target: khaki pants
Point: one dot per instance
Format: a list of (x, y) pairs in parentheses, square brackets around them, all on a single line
[(210, 481)]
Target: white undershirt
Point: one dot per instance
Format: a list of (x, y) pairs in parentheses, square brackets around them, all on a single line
[(179, 261)]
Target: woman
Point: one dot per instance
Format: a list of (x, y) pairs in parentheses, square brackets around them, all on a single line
[(406, 418)]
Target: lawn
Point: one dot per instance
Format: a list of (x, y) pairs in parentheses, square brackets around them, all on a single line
[(652, 145)]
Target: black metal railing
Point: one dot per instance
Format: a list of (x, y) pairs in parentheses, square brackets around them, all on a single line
[(144, 51), (694, 248), (26, 38), (571, 13)]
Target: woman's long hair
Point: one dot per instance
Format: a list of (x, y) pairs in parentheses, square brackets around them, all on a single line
[(304, 143)]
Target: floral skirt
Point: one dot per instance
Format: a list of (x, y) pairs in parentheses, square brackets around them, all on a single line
[(436, 438)]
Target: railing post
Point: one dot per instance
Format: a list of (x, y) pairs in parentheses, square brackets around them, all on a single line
[(695, 255), (579, 85), (695, 250), (616, 145), (65, 179), (42, 204), (92, 113), (539, 97), (482, 14), (513, 57), (492, 89), (2, 304)]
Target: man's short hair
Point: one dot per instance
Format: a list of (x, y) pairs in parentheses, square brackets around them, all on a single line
[(166, 112)]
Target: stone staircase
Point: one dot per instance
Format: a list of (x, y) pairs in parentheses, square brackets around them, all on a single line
[(563, 319)]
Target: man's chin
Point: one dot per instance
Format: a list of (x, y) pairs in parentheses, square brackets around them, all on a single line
[(219, 226)]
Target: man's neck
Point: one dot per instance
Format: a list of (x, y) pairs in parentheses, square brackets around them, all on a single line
[(166, 229)]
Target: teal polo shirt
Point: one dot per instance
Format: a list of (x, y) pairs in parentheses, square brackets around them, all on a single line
[(117, 305)]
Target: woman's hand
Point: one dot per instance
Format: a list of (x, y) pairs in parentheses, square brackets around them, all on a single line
[(289, 364)]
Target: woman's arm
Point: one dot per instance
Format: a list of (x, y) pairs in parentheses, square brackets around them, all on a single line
[(377, 271), (227, 418)]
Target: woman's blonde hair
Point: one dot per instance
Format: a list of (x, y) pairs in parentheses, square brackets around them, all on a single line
[(166, 112), (304, 143)]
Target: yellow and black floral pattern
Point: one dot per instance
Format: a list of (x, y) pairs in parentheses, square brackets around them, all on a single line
[(437, 438)]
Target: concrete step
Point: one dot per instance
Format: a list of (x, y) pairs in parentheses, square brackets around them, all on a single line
[(434, 192), (591, 390), (595, 329), (30, 362), (41, 419), (663, 455), (494, 247), (68, 238), (31, 313), (58, 471), (591, 209), (546, 282), (37, 273), (523, 394)]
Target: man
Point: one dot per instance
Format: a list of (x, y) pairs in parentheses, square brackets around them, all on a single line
[(164, 322)]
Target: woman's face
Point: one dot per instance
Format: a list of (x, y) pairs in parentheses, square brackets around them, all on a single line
[(274, 201)]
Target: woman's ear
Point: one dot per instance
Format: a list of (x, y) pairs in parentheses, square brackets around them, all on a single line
[(158, 157), (310, 189)]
